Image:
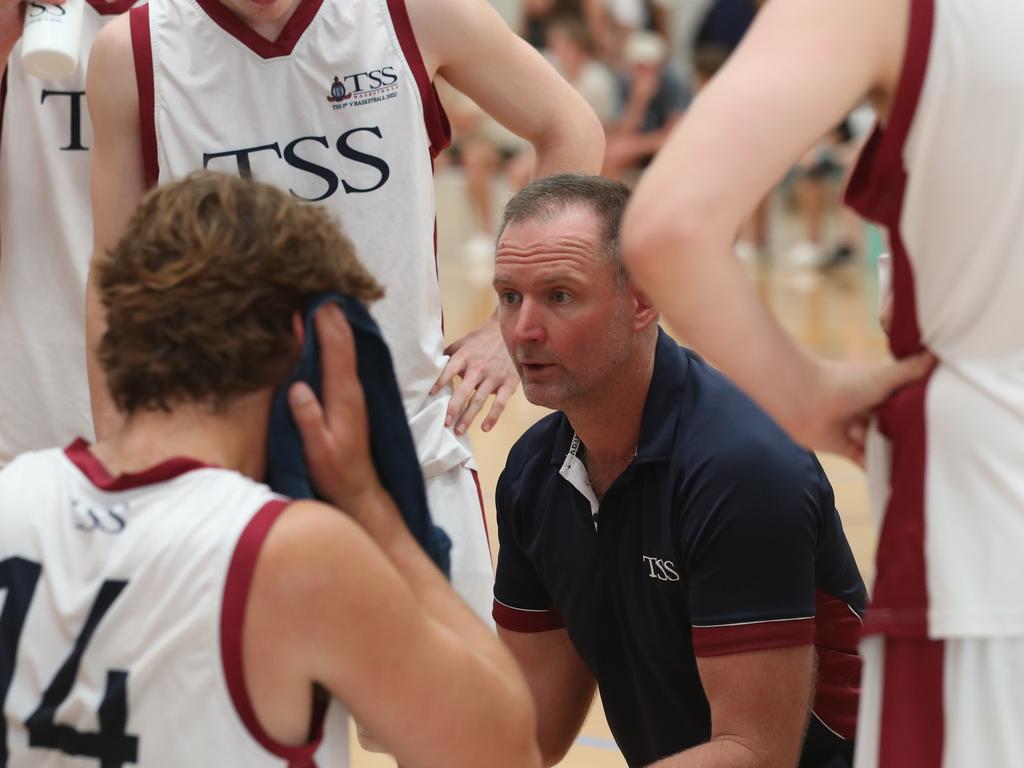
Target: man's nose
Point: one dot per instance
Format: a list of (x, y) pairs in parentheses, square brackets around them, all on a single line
[(529, 327)]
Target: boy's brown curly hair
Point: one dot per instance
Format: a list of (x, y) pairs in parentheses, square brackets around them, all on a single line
[(202, 286)]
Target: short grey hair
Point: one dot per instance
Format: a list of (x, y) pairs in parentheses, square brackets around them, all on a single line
[(546, 198)]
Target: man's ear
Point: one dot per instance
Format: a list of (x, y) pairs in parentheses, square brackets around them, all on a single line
[(644, 312)]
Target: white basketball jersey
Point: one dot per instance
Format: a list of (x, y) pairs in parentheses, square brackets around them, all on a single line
[(123, 600), (340, 112), (45, 247), (946, 176)]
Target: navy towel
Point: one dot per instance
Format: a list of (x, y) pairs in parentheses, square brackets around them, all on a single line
[(391, 444)]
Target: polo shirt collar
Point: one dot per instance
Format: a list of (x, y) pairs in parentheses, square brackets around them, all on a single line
[(659, 420)]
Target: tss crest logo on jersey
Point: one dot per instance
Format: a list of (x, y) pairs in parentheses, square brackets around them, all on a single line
[(361, 88)]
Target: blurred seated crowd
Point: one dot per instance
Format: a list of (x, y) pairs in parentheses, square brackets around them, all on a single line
[(639, 63)]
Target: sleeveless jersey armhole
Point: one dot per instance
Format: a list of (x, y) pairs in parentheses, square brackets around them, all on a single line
[(236, 593), (142, 53), (439, 130)]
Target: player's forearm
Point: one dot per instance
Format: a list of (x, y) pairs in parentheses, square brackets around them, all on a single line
[(376, 513), (719, 753), (501, 708)]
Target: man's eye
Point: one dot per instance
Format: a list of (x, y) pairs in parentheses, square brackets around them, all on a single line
[(561, 297), (509, 297)]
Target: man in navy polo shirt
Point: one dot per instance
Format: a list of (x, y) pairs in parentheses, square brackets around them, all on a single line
[(660, 536)]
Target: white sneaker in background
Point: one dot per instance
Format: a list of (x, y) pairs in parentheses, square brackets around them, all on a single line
[(803, 255)]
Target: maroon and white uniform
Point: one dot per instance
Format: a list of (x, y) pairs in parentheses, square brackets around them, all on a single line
[(339, 111), (123, 612), (45, 248), (945, 175)]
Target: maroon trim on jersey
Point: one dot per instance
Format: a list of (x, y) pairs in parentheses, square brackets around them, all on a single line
[(267, 49), (877, 187), (913, 711), (103, 8), (483, 512), (756, 636), (525, 620), (142, 52), (78, 453), (439, 130), (878, 182), (3, 101), (900, 604), (232, 620), (837, 632)]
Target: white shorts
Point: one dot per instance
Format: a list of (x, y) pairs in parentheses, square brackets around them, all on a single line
[(456, 504), (955, 703)]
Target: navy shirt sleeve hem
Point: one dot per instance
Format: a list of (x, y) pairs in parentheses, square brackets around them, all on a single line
[(526, 619), (758, 636)]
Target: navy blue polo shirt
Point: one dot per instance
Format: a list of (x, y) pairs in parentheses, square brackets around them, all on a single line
[(721, 537)]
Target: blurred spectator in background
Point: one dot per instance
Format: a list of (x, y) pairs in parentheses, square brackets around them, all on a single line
[(537, 14), (487, 152), (655, 98), (571, 50)]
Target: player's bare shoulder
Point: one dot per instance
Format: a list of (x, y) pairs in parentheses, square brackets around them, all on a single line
[(111, 81)]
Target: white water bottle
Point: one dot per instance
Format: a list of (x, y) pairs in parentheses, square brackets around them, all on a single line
[(52, 38)]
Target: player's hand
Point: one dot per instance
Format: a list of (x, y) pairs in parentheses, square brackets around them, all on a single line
[(482, 361), (849, 395), (335, 434)]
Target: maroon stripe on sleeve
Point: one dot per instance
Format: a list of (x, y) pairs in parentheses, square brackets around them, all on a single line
[(523, 620), (142, 52), (439, 130), (837, 632), (758, 636), (913, 712), (232, 621)]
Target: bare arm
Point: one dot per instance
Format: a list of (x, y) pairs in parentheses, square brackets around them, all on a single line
[(371, 619), (760, 703), (12, 17), (468, 44), (385, 633), (117, 184), (561, 684), (770, 102)]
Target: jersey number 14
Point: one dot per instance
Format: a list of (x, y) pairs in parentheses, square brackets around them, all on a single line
[(110, 745)]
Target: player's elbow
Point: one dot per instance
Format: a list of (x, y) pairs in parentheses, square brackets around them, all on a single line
[(554, 746), (652, 230), (571, 141), (518, 730)]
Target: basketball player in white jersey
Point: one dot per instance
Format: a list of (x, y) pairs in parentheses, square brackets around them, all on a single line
[(333, 100), (45, 239), (943, 172), (164, 608)]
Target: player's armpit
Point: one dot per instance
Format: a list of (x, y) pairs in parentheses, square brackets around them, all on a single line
[(327, 605), (560, 682), (117, 182), (760, 702)]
